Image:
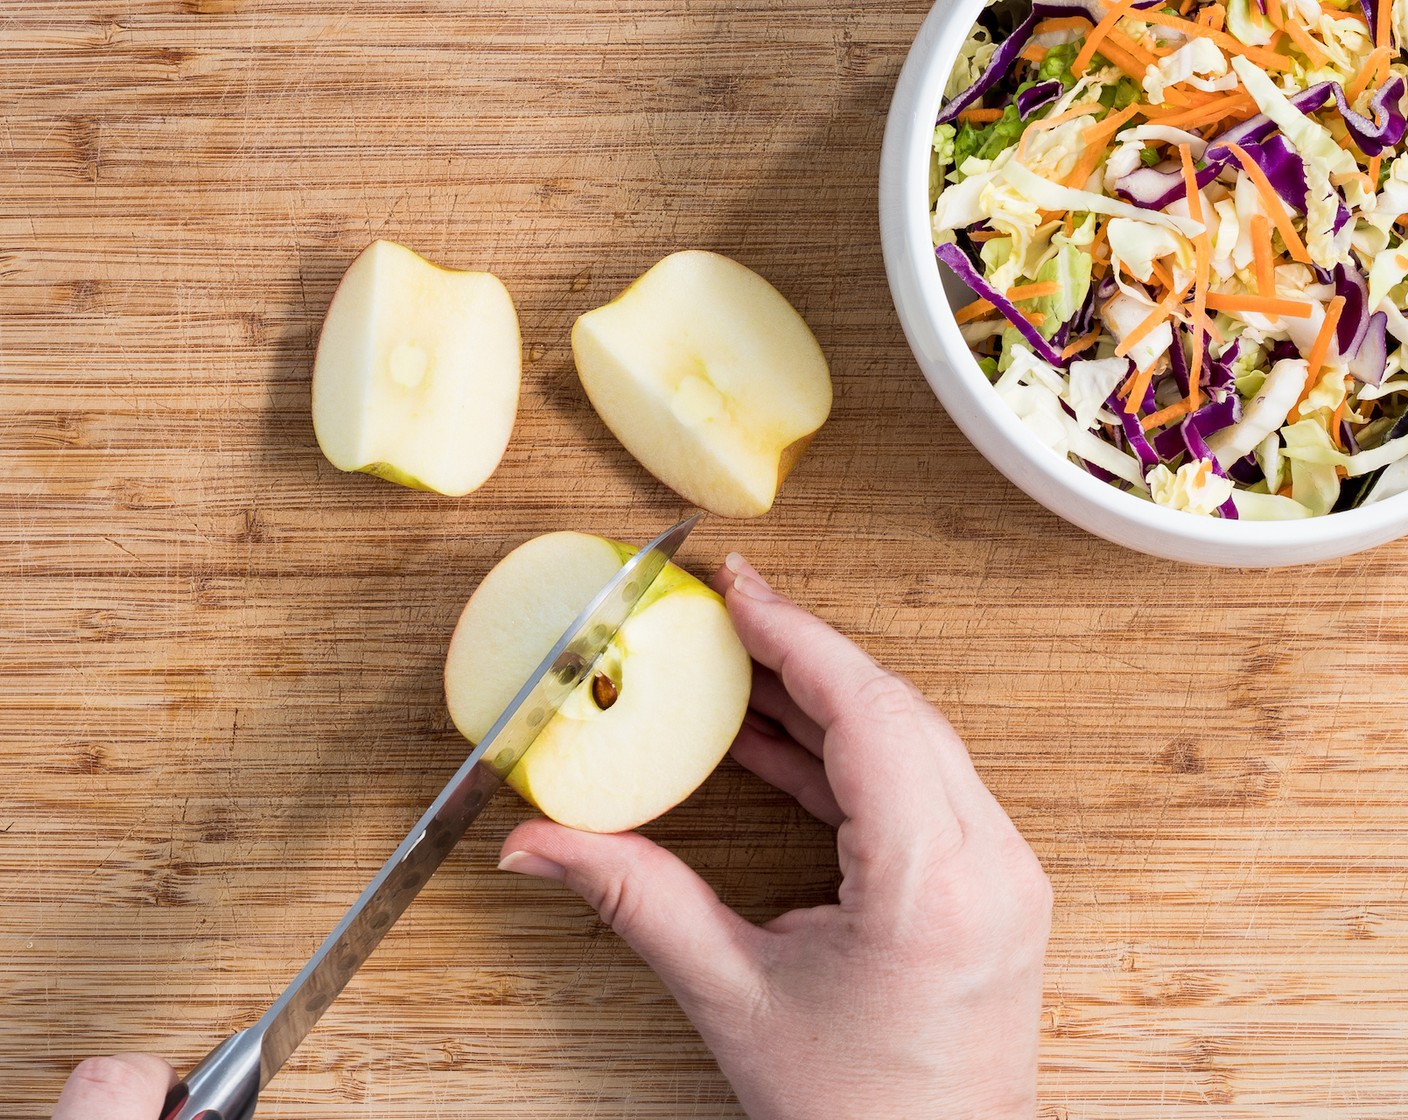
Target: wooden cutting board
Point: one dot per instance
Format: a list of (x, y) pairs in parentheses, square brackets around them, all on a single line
[(220, 701)]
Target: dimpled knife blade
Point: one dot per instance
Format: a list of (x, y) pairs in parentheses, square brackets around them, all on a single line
[(226, 1084)]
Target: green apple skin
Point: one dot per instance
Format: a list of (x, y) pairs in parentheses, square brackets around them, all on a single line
[(709, 378), (417, 374), (680, 675)]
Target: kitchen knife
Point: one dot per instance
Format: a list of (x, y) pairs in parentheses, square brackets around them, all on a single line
[(226, 1083)]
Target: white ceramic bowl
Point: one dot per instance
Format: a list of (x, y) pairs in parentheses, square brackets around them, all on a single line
[(1062, 487)]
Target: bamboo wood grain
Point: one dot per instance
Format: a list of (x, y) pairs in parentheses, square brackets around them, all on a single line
[(220, 703)]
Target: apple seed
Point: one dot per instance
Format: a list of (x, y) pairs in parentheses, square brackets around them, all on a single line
[(604, 691)]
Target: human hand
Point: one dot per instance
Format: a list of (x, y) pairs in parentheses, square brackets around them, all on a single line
[(123, 1087), (918, 994)]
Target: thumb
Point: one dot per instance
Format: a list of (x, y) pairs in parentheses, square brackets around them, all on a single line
[(706, 954)]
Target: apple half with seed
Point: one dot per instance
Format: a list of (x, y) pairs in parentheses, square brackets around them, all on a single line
[(652, 720), (417, 373), (709, 377)]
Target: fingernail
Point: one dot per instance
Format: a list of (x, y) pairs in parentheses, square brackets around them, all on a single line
[(746, 581), (526, 863)]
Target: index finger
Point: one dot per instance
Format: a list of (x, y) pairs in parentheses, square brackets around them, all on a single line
[(883, 744), (876, 714)]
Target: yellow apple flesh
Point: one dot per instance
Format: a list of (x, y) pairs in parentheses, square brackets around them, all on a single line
[(652, 720), (709, 377), (417, 374)]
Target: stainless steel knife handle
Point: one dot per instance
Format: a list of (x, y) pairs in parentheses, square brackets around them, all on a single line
[(225, 1086)]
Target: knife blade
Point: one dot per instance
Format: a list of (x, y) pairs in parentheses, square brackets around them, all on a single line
[(226, 1083)]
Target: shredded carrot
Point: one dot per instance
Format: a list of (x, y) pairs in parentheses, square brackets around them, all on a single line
[(1274, 13), (985, 234), (1084, 342), (1117, 11), (980, 116), (1321, 347), (1034, 52), (975, 310), (1216, 16), (1367, 72), (1272, 201), (1185, 7), (1203, 114), (1261, 253), (1104, 129), (1138, 385), (1164, 415), (1094, 140), (1162, 273), (1033, 291), (1385, 14), (1190, 184), (1259, 305), (1202, 270), (1140, 54), (1156, 318), (1121, 58), (1375, 163), (1036, 318), (1098, 243), (1286, 491), (1308, 46), (1336, 13), (1265, 58)]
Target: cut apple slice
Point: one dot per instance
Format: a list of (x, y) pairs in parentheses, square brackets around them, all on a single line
[(651, 722), (417, 374), (709, 377)]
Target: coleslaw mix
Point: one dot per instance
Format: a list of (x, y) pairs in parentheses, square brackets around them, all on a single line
[(1186, 225)]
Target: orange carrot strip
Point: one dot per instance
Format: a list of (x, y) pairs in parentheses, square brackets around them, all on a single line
[(1262, 56), (1190, 184), (1084, 342), (1272, 201), (1140, 54), (1138, 386), (975, 310), (1260, 305), (980, 116), (1033, 291), (1147, 325), (1370, 68), (1081, 62), (1203, 114), (1122, 59), (1034, 52), (1162, 274), (1381, 35), (1321, 348), (1375, 164), (1302, 38), (1202, 270), (1274, 13), (1214, 16), (1094, 145), (986, 234), (1164, 415)]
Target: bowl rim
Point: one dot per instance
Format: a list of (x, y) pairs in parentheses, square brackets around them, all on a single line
[(969, 397)]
